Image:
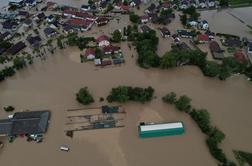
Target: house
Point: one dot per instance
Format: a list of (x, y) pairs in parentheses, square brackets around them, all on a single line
[(210, 34), (16, 3), (154, 18), (185, 34), (50, 32), (135, 3), (183, 5), (27, 23), (232, 42), (80, 24), (97, 62), (183, 46), (165, 33), (239, 56), (90, 53), (110, 49), (176, 39), (151, 9), (39, 17), (30, 2), (51, 5), (23, 14), (145, 29), (144, 19), (9, 25), (101, 21), (211, 4), (5, 36), (249, 49), (106, 62), (165, 6), (202, 4), (85, 7), (68, 29), (216, 51), (2, 50), (203, 38), (50, 18), (192, 22), (103, 40), (203, 25), (25, 123), (16, 48), (34, 41)]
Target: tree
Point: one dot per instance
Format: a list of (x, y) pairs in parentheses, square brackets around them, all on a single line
[(134, 18), (168, 60), (98, 53), (119, 94), (170, 98), (84, 97), (117, 36), (183, 19), (211, 69), (202, 118), (224, 3), (19, 63), (216, 135), (9, 109), (183, 103), (59, 43), (8, 71), (224, 73)]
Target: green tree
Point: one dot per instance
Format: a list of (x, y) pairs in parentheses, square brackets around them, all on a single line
[(9, 108), (117, 36), (212, 69), (183, 103), (202, 118), (168, 60), (98, 53), (8, 71), (19, 63), (134, 18), (119, 94), (183, 19), (84, 97), (170, 98)]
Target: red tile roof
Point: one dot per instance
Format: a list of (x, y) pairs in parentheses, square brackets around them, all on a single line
[(111, 48), (89, 51), (79, 22), (203, 37), (102, 38), (239, 56)]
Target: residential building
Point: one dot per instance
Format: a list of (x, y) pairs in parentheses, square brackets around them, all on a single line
[(239, 56), (145, 29), (80, 24), (50, 32), (90, 53), (34, 41), (110, 49), (16, 48), (216, 51), (203, 38), (232, 42), (165, 33), (103, 40), (144, 19), (101, 21)]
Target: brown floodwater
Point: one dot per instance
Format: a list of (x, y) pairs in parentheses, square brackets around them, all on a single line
[(52, 84)]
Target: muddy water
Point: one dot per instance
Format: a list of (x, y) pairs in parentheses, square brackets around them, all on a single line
[(223, 21), (52, 84)]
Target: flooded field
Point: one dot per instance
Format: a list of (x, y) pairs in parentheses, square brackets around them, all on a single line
[(229, 21), (52, 84)]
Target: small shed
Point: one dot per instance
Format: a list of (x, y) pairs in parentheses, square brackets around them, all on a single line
[(160, 129)]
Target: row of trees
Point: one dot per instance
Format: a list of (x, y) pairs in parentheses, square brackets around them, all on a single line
[(229, 65), (123, 94), (74, 40), (202, 118), (18, 63)]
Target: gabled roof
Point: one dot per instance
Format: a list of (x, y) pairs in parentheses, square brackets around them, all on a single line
[(145, 28), (233, 42), (4, 35), (239, 56), (16, 48), (111, 48), (102, 38), (165, 31), (203, 37), (49, 31), (89, 51), (33, 40)]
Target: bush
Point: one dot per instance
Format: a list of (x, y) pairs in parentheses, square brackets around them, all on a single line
[(183, 103), (19, 63), (84, 97), (170, 98), (212, 69), (134, 18), (9, 109)]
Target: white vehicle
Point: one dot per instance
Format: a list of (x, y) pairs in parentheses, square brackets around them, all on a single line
[(64, 148)]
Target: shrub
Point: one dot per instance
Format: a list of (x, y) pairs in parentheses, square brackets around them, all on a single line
[(84, 97), (9, 109), (170, 98)]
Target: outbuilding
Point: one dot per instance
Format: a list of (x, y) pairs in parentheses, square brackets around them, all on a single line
[(160, 129)]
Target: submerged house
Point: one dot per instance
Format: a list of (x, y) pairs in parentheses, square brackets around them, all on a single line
[(162, 129), (16, 48), (216, 51), (165, 33), (22, 123), (34, 41), (145, 29), (232, 42), (103, 40)]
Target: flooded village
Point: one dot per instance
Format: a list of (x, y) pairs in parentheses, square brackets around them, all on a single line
[(50, 51)]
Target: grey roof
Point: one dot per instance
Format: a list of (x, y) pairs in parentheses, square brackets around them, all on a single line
[(32, 122), (5, 126)]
